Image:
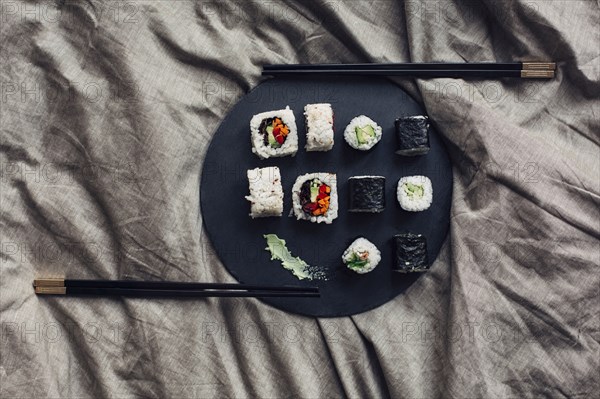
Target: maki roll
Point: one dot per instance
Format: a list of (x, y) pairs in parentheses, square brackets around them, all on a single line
[(367, 193), (274, 133), (410, 253), (361, 256), (413, 135), (415, 193), (319, 127), (266, 192), (314, 197), (362, 133)]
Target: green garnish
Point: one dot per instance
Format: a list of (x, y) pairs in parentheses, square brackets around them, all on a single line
[(279, 251), (356, 262), (414, 190)]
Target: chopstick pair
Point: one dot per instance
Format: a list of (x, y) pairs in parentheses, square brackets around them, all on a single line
[(165, 289), (420, 70)]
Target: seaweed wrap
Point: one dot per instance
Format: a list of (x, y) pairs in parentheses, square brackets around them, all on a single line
[(410, 253), (366, 193), (413, 135)]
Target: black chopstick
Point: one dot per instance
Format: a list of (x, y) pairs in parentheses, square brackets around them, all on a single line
[(416, 73), (153, 293), (165, 285), (133, 288), (420, 70), (419, 66)]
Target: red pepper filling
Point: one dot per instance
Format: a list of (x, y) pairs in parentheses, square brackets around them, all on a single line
[(274, 132), (315, 205)]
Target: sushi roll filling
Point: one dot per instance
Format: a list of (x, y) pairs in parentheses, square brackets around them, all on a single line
[(414, 191), (358, 260), (362, 256), (274, 132), (315, 197), (364, 134)]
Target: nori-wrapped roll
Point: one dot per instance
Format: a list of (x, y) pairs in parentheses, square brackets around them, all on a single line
[(413, 135), (411, 253), (367, 194)]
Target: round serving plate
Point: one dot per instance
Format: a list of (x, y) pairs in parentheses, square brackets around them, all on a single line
[(238, 239)]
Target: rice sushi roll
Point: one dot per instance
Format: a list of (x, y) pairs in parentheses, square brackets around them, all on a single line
[(314, 197), (274, 133), (362, 133), (410, 253), (415, 193), (266, 192), (362, 256), (366, 193), (319, 127), (413, 135)]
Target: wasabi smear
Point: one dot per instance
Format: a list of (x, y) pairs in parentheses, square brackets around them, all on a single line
[(299, 268)]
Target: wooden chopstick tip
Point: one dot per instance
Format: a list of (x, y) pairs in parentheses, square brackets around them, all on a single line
[(539, 66), (537, 74), (49, 282), (50, 290)]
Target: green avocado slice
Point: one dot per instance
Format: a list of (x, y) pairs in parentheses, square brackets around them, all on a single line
[(414, 190), (314, 192), (271, 138), (364, 133)]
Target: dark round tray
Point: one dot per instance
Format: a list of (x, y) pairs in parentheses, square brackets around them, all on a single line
[(238, 239)]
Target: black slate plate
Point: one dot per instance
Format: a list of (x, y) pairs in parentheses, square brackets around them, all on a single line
[(238, 240)]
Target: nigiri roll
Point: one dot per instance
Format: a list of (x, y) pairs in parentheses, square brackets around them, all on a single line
[(319, 127), (266, 192)]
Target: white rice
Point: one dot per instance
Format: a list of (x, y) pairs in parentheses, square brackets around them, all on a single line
[(266, 192), (360, 246), (332, 212), (319, 127), (412, 203), (290, 145), (350, 133)]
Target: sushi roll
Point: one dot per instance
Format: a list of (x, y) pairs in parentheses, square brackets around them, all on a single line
[(362, 256), (415, 193), (319, 127), (314, 197), (274, 134), (410, 253), (413, 135), (362, 133), (266, 192), (367, 194)]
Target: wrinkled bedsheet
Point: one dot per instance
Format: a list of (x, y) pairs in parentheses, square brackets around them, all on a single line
[(108, 108)]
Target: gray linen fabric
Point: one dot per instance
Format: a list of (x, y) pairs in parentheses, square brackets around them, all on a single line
[(108, 109)]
